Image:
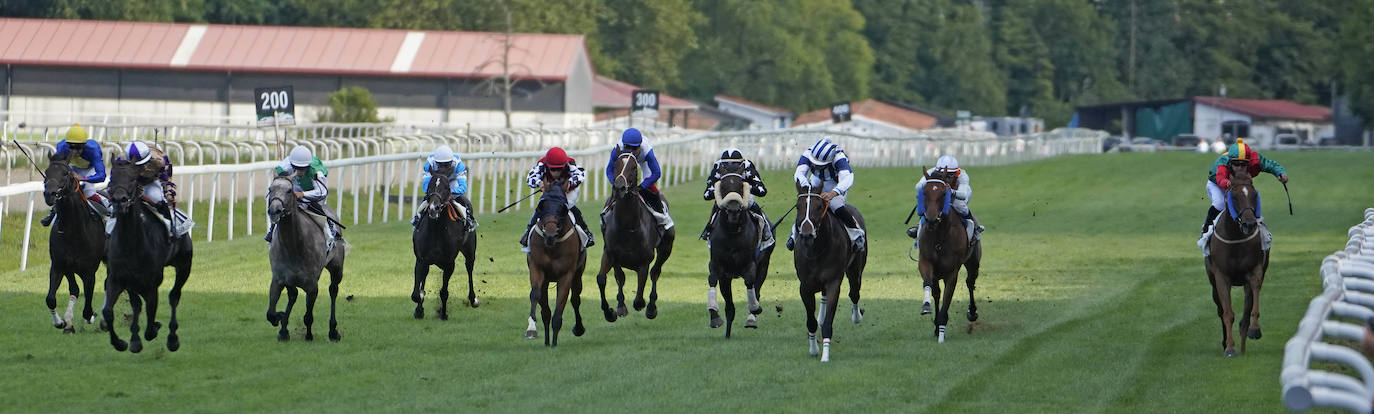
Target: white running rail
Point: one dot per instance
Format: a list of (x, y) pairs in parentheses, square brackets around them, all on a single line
[(1348, 294)]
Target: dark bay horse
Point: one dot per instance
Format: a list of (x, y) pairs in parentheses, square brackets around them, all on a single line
[(139, 248), (558, 259), (299, 252), (76, 244), (439, 236), (944, 248), (735, 237), (1238, 259), (632, 241), (824, 256)]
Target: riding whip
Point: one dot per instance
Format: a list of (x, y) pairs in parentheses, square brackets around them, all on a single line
[(30, 157), (784, 216), (503, 209), (912, 214), (1290, 198)]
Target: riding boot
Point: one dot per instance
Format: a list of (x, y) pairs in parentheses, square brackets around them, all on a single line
[(976, 229), (706, 232), (525, 238), (47, 221), (415, 219), (851, 224), (271, 228), (659, 206), (577, 216), (166, 211), (471, 214), (1212, 214)]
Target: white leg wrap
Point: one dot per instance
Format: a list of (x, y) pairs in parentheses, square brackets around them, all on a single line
[(825, 350), (711, 303), (857, 315), (71, 303), (927, 289), (811, 338), (820, 313), (753, 299), (56, 320), (531, 326), (941, 338)]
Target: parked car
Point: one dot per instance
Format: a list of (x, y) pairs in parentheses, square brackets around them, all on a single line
[(1283, 141), (1186, 141), (1111, 143)]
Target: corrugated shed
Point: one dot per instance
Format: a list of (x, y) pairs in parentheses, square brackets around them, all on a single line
[(1269, 108)]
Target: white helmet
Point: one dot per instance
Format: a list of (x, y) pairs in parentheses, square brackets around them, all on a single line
[(139, 152), (947, 162), (300, 156), (822, 152), (443, 154)]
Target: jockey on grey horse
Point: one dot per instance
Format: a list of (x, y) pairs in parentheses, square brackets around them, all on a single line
[(311, 188)]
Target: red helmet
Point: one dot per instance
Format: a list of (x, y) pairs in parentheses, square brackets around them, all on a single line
[(556, 158)]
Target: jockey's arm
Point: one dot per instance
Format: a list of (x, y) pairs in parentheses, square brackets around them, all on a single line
[(711, 179), (459, 181), (425, 175), (1271, 166), (965, 190), (536, 175), (846, 175), (610, 164), (318, 193), (91, 152), (802, 176), (576, 176), (755, 180), (654, 171)]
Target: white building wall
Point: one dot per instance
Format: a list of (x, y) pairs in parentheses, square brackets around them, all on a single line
[(1207, 121), (759, 120)]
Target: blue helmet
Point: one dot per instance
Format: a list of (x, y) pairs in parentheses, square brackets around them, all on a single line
[(823, 152), (632, 138)]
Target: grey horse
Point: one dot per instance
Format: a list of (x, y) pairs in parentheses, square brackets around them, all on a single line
[(300, 251)]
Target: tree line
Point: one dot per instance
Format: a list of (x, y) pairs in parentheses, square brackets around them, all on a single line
[(994, 57)]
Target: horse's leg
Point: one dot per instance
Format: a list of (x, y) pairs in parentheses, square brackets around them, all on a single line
[(576, 300), (443, 291), (652, 310), (927, 285), (545, 313), (273, 295), (830, 301), (150, 333), (946, 299), (712, 305), (601, 284), (664, 249), (934, 283), (88, 281), (1245, 315), (620, 308), (135, 307), (808, 298), (417, 294), (1257, 282), (54, 280), (725, 290), (855, 275), (751, 320), (536, 280), (73, 292), (1221, 294), (312, 291), (112, 291), (642, 280), (972, 266), (564, 287), (469, 251), (284, 334), (335, 276), (183, 272)]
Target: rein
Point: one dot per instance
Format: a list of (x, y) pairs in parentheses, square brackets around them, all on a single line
[(806, 217)]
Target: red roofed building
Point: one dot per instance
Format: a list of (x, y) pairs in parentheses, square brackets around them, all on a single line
[(1262, 121), (872, 116), (200, 71)]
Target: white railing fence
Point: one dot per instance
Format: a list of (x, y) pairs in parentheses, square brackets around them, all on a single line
[(364, 183), (1348, 294)]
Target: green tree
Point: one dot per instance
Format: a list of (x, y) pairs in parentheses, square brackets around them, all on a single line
[(241, 11), (644, 42), (1356, 42), (350, 104), (416, 15), (933, 52), (1025, 62), (132, 10)]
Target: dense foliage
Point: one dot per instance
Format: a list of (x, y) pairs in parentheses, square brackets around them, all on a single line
[(1033, 57)]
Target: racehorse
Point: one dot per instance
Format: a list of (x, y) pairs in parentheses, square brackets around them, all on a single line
[(299, 252), (559, 259), (439, 236), (139, 248), (735, 238), (1238, 258), (824, 256), (945, 246), (76, 243), (632, 241)]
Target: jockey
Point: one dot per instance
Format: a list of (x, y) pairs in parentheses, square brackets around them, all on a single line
[(311, 188), (751, 176), (443, 158), (1219, 179), (88, 163), (632, 142), (556, 168), (155, 175), (962, 193), (826, 165)]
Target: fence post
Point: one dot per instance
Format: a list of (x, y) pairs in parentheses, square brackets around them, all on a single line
[(28, 227)]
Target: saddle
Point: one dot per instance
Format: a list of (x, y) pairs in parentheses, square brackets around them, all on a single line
[(576, 230), (1266, 238), (183, 223)]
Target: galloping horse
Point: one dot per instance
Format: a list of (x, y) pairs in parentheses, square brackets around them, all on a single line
[(1238, 260), (735, 240), (139, 248), (561, 259), (76, 243), (944, 247), (298, 253), (632, 239), (439, 236), (824, 256)]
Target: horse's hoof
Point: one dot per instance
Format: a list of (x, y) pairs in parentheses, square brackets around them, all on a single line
[(857, 315), (151, 333), (90, 320), (751, 322), (531, 334), (443, 314), (104, 325), (69, 329), (283, 336), (1254, 334), (716, 321), (639, 304), (173, 343), (579, 330), (815, 349), (419, 313), (334, 336), (309, 336), (1229, 353), (610, 315), (119, 345), (59, 324), (621, 311), (925, 308), (651, 311), (135, 346), (972, 316), (474, 302)]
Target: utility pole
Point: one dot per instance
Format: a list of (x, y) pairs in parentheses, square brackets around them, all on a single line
[(1130, 56), (505, 62)]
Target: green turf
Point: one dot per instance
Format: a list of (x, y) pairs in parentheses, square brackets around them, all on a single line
[(1092, 299)]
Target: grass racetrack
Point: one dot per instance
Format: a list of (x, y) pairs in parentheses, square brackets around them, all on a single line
[(1092, 298)]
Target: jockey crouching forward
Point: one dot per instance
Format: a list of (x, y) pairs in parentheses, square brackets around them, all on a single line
[(556, 168), (443, 160), (733, 159), (310, 187), (633, 142), (88, 163), (825, 165), (155, 177), (1239, 155), (963, 193)]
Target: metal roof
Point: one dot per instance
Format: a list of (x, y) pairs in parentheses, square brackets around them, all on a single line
[(282, 49), (1269, 108), (909, 118), (609, 93)]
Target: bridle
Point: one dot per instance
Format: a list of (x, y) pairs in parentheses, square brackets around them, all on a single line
[(625, 159), (945, 202), (805, 214), (280, 199)]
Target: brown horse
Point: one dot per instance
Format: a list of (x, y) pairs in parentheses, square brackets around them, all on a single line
[(561, 259), (944, 248), (824, 256), (1238, 258), (633, 241)]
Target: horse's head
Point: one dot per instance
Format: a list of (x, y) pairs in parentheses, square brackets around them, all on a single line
[(281, 196), (1242, 200), (59, 180), (123, 185), (625, 173), (438, 194), (811, 210), (553, 214), (732, 191), (936, 193)]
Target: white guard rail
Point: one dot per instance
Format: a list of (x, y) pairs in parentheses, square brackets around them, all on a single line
[(358, 184), (1348, 294)]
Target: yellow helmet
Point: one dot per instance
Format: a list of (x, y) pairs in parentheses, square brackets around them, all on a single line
[(76, 135)]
